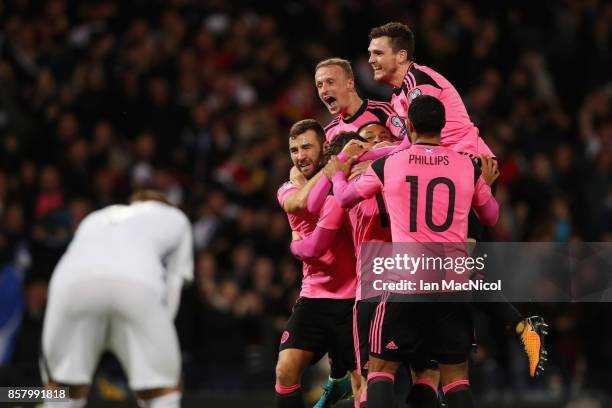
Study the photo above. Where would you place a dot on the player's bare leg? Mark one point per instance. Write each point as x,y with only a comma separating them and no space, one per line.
77,395
159,398
289,368
361,398
357,383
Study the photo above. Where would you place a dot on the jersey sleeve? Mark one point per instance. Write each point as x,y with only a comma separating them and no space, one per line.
371,181
284,191
331,214
316,198
315,245
427,89
397,126
482,193
180,261
179,265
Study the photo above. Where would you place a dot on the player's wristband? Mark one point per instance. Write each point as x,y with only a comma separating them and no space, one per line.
343,157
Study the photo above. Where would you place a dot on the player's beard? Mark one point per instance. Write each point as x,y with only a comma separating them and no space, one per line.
315,166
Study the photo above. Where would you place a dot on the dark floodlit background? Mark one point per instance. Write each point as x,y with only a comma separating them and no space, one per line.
195,98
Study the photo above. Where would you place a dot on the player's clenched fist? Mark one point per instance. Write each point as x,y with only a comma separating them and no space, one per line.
335,165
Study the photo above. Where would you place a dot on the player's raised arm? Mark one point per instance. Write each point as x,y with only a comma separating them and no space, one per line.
350,194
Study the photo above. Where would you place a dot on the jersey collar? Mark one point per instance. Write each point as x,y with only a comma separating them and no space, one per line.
359,112
426,144
403,88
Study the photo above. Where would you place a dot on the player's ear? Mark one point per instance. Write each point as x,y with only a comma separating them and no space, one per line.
325,146
402,56
411,133
350,84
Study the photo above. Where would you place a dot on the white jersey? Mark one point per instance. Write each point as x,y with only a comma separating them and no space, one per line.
148,242
117,288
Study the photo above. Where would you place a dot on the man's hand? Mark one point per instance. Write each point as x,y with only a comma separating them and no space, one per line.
296,177
383,144
335,165
359,168
490,172
354,148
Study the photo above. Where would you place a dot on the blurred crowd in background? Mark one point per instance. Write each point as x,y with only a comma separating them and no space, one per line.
100,97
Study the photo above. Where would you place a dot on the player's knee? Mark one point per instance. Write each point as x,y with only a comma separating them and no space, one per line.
286,374
428,374
377,364
453,372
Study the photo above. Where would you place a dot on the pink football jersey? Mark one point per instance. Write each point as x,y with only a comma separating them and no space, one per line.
370,111
459,133
332,275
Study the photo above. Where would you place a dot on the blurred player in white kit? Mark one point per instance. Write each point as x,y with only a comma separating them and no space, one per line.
117,288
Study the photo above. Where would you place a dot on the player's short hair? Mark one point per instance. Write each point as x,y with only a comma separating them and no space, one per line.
400,37
427,115
305,125
148,195
365,125
340,140
340,62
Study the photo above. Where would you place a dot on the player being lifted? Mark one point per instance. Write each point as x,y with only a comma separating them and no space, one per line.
441,187
321,320
391,51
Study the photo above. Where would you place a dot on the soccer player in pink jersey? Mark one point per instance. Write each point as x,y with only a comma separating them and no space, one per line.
321,320
369,223
336,87
429,190
391,52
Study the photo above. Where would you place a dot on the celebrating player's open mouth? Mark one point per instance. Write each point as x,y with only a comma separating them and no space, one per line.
332,104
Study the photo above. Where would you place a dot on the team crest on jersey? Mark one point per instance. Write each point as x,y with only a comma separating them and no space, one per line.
414,93
397,122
